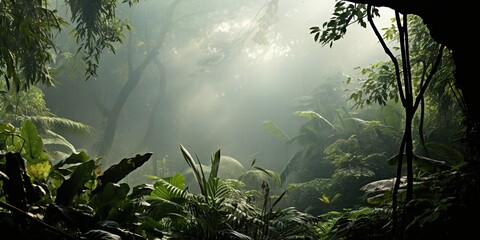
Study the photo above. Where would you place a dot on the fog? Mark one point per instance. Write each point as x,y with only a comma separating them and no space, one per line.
223,67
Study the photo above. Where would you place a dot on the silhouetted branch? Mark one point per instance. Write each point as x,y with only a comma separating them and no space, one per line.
36,220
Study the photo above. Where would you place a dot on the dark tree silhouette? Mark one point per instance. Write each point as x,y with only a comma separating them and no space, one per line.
448,23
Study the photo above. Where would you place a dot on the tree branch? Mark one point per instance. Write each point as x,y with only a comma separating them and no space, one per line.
429,78
388,52
36,220
404,7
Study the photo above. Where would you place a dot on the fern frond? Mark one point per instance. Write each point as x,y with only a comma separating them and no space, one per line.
178,180
223,190
166,190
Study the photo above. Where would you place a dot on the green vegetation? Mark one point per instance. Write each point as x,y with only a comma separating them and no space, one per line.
398,159
74,199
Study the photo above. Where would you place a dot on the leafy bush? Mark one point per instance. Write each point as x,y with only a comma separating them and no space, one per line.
74,199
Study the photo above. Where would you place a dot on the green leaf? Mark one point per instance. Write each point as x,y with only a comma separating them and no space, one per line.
169,188
33,143
111,194
10,140
196,172
336,197
291,166
117,172
324,198
77,158
75,184
178,180
272,128
263,170
278,199
6,129
312,114
215,165
53,138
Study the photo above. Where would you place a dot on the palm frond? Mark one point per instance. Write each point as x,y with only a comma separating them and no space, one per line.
52,138
166,199
166,190
222,190
178,180
289,223
57,123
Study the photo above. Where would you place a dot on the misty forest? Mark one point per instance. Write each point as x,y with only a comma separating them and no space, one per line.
188,119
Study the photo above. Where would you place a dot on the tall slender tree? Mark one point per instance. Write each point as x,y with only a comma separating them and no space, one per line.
356,11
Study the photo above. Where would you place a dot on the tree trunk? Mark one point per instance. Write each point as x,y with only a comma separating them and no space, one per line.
134,77
447,23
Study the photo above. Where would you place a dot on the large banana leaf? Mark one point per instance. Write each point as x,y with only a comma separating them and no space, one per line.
313,115
291,166
272,128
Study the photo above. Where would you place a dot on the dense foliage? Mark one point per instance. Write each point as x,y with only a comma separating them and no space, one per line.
393,162
73,199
